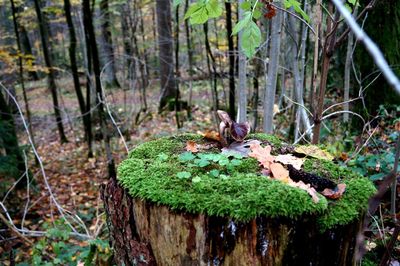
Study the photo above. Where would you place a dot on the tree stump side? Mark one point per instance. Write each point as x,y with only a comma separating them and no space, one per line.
144,233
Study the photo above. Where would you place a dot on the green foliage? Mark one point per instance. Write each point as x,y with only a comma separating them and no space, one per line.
57,248
233,187
202,10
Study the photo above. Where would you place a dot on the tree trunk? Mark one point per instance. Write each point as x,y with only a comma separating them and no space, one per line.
26,45
9,138
109,64
190,61
242,90
231,55
45,37
169,91
99,91
21,69
75,75
270,89
143,233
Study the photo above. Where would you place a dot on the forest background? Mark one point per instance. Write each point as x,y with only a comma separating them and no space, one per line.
84,82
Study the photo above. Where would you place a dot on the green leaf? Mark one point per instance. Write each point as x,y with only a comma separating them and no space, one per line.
214,173
186,156
246,6
257,14
214,9
202,162
196,179
242,23
192,9
251,39
183,175
236,162
162,157
297,7
223,162
376,176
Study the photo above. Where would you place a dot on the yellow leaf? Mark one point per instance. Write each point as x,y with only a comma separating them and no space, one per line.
314,151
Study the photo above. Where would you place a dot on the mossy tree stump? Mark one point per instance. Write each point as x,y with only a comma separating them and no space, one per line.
156,218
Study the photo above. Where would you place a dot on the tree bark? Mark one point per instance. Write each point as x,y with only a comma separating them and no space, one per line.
273,64
99,91
231,56
75,75
21,69
169,91
45,37
143,233
242,90
109,64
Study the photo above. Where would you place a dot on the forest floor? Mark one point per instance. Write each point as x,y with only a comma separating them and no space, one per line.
75,180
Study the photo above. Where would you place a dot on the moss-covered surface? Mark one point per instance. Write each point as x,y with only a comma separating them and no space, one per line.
151,170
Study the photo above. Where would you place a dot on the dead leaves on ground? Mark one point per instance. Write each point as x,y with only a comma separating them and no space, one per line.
273,166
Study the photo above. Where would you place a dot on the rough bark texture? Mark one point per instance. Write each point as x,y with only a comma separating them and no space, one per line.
143,233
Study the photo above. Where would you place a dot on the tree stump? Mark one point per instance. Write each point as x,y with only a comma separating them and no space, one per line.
156,217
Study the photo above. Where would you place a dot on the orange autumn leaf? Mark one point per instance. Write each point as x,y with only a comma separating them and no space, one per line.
334,194
279,172
191,146
211,135
263,155
306,187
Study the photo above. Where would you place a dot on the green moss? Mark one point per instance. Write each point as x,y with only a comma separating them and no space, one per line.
275,141
245,194
328,169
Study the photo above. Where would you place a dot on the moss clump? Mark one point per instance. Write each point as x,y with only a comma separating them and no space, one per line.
242,194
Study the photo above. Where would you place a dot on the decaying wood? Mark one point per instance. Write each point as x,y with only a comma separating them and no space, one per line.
144,233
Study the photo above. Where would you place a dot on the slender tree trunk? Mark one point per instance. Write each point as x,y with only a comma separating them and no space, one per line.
301,114
110,68
190,59
177,70
165,44
45,37
242,92
99,97
326,57
21,69
273,64
347,69
231,55
256,92
75,75
213,65
27,48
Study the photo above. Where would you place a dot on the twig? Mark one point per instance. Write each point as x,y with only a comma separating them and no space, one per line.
371,47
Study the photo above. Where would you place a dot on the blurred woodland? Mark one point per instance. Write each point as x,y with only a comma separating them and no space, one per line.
84,82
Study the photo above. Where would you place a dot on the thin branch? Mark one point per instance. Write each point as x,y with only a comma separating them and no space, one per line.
371,47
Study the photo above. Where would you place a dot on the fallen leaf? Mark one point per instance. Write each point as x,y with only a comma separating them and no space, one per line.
334,193
310,190
242,148
290,159
279,172
211,135
314,151
263,155
191,146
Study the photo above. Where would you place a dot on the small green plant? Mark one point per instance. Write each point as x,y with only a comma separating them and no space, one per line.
58,248
215,165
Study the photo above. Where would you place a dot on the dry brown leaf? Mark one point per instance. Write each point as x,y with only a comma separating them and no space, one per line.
242,148
263,155
314,151
191,146
310,190
290,159
211,135
279,172
334,194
